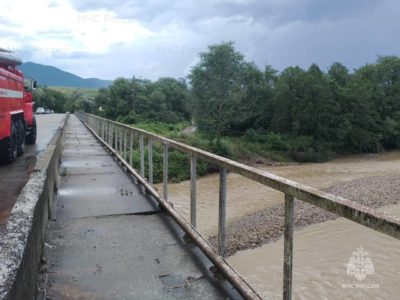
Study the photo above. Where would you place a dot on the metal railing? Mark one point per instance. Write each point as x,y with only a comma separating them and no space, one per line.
120,139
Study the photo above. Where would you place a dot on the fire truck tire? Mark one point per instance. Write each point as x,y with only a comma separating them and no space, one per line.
21,138
31,137
10,146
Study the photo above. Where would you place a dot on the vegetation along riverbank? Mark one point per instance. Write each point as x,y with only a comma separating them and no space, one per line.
240,111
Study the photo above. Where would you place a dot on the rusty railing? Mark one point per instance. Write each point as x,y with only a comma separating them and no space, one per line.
119,138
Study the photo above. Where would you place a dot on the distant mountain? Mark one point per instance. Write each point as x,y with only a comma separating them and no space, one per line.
52,76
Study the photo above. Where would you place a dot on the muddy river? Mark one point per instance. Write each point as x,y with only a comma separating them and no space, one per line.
322,254
321,251
245,196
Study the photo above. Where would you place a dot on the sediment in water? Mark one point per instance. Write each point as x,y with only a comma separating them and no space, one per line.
256,229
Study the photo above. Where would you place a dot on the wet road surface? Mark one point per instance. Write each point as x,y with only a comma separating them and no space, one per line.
14,176
109,240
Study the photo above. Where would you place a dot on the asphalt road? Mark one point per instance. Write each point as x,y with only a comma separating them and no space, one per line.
14,176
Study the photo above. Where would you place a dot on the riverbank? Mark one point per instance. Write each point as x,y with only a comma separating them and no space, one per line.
255,229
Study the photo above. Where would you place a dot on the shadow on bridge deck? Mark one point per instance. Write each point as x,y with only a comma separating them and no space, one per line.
108,240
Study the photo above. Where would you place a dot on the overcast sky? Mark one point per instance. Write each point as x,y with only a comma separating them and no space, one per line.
154,38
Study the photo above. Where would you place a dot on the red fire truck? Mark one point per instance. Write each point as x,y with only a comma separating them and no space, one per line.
17,123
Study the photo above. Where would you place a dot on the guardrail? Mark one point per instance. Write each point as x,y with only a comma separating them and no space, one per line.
22,238
120,139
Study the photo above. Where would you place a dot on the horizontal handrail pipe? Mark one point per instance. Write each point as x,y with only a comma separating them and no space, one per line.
22,236
106,129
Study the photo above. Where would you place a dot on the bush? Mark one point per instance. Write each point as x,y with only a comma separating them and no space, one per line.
306,149
178,165
271,140
164,129
128,119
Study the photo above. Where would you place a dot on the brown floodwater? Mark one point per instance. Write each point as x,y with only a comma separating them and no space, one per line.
321,251
321,255
245,196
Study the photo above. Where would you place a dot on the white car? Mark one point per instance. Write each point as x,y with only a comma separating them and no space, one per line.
40,111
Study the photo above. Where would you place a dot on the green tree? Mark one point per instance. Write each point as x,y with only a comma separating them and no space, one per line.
216,83
80,99
138,100
256,99
50,98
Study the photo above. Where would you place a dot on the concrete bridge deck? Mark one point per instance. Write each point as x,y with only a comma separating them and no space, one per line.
108,240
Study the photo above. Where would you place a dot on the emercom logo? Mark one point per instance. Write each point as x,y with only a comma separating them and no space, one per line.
360,266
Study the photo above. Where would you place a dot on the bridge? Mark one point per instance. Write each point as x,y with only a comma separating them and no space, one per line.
90,224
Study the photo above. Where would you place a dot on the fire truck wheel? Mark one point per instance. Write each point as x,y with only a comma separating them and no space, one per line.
11,145
31,137
21,138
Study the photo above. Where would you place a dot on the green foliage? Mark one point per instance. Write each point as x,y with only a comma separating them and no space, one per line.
62,99
136,100
178,165
216,89
271,140
50,98
242,112
164,129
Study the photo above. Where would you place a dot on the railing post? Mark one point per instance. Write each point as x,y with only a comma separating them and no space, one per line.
222,212
150,158
131,149
165,172
193,177
104,129
120,140
141,144
288,248
125,145
108,133
112,137
116,138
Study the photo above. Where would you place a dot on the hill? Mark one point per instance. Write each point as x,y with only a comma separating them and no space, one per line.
52,76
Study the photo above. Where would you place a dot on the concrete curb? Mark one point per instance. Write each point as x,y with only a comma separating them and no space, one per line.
21,241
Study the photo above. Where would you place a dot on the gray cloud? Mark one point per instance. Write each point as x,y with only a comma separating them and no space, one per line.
160,11
276,32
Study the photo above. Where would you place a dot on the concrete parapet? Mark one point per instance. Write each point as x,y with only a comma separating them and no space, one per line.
21,238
